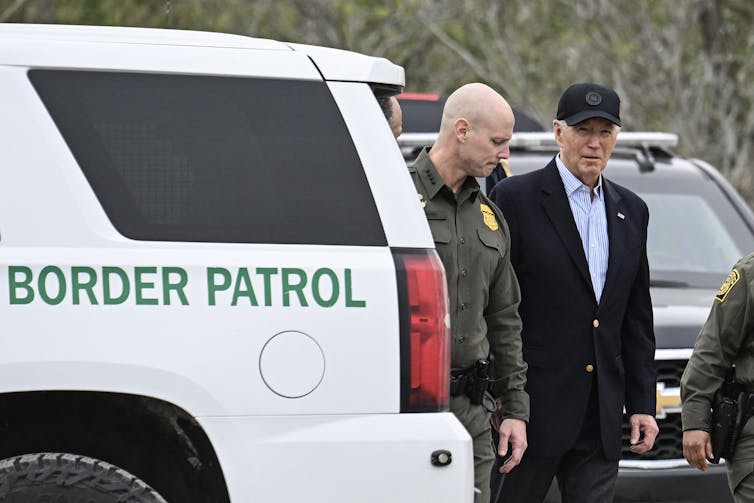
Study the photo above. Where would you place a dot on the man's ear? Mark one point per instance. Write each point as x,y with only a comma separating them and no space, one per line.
557,129
462,129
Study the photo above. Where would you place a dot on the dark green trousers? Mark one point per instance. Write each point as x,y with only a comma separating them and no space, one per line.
476,420
741,468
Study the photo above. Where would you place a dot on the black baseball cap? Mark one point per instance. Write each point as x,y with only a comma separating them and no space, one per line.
583,101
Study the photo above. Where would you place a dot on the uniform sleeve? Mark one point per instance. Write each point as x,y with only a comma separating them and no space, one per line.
504,334
716,348
638,339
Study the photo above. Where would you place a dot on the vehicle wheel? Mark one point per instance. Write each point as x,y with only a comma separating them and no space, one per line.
69,478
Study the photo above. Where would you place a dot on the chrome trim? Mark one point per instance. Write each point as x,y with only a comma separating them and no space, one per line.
660,464
673,354
416,139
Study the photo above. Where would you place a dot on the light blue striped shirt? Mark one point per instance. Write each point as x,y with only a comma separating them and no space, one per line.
589,215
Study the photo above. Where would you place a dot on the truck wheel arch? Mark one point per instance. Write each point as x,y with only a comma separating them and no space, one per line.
154,440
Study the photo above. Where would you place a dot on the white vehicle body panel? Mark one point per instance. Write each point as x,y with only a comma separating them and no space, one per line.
386,172
337,64
228,338
368,456
219,361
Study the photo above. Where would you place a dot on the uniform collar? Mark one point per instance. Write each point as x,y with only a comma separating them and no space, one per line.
433,183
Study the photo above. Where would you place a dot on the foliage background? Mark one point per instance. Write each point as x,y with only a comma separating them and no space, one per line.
682,66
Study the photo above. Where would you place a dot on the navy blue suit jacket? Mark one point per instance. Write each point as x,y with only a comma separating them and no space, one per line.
564,328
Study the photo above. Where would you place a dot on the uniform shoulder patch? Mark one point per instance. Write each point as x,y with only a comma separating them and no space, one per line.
489,217
730,281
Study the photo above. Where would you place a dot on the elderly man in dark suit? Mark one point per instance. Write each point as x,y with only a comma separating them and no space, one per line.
578,247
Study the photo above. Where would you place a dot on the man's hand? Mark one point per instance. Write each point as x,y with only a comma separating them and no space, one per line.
697,448
513,431
646,424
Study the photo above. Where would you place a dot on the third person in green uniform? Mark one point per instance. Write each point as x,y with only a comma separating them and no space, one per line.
726,339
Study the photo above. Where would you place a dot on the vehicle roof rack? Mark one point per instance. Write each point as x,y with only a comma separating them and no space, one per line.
640,145
625,139
547,140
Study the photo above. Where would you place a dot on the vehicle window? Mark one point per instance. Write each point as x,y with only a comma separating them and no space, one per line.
695,233
686,235
216,159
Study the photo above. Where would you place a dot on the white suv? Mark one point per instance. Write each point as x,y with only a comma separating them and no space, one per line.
216,281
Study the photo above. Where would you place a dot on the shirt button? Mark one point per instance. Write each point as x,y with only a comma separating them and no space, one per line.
589,368
462,240
461,338
464,272
596,323
463,307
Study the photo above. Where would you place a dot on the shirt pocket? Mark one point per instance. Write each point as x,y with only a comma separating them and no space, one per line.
492,240
489,255
440,229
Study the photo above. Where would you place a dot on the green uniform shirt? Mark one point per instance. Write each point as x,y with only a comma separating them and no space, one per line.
472,240
723,340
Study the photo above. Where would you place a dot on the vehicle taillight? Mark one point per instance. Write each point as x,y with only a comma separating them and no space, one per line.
425,335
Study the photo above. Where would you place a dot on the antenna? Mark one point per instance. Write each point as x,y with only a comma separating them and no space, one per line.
168,12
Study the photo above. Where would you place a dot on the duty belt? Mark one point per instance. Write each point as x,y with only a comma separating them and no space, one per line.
732,407
473,382
458,383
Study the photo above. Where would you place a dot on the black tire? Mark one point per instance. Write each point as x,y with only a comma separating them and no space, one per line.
69,478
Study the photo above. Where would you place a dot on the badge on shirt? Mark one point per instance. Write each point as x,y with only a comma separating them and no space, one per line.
489,217
731,280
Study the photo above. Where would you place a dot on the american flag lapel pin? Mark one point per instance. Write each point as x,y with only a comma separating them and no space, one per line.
621,216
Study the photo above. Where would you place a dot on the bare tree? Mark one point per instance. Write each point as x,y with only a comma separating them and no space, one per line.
683,66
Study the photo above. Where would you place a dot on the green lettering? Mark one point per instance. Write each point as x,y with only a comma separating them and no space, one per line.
334,287
297,288
14,284
140,285
213,287
87,286
125,285
177,287
267,273
244,288
42,285
349,300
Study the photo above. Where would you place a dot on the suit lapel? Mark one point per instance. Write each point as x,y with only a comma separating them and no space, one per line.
555,202
616,235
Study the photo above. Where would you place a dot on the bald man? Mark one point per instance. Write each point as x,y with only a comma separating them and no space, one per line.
396,117
472,240
393,113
